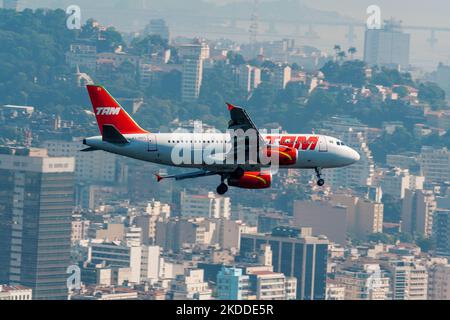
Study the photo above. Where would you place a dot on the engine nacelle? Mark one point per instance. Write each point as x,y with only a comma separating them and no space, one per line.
252,180
287,156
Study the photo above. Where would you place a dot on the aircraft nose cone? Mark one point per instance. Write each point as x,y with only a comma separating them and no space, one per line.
355,156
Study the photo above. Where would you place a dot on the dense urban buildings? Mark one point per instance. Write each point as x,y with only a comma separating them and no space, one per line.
37,198
90,225
296,254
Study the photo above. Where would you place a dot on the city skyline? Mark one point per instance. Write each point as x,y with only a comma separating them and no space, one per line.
78,223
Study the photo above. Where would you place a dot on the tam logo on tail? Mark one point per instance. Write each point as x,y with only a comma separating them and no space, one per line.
109,112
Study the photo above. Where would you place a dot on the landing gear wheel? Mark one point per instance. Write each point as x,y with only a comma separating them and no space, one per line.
222,189
320,181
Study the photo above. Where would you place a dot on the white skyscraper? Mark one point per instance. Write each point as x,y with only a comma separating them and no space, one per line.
434,164
208,206
418,208
388,46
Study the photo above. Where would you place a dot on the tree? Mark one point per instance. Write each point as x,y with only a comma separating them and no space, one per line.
337,48
111,40
352,51
341,55
235,59
430,92
424,243
321,103
353,72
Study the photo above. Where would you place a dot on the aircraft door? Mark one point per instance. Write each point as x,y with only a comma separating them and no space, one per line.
151,145
323,146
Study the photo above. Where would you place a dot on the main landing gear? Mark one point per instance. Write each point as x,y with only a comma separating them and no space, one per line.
223,187
320,180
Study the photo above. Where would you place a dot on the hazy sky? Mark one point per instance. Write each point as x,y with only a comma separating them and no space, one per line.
189,18
417,12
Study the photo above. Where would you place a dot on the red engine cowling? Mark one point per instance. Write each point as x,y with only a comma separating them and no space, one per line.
287,156
252,180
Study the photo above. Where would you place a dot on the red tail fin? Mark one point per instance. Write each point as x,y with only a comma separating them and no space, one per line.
108,111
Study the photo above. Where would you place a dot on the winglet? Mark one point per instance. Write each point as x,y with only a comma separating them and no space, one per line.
158,177
230,106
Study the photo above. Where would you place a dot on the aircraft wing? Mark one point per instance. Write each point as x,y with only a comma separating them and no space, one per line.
189,175
241,120
249,144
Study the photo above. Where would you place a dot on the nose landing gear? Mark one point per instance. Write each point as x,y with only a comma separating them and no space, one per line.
222,188
320,180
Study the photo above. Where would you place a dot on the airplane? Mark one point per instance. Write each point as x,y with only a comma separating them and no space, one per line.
220,153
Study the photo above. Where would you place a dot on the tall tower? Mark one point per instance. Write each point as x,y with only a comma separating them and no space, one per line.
36,203
254,25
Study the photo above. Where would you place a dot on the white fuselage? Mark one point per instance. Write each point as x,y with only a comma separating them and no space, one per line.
206,150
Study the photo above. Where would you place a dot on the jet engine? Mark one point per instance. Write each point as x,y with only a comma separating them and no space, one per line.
252,180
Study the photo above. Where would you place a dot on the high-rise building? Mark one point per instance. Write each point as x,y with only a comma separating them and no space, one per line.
192,79
409,280
36,203
158,27
434,164
442,76
117,254
295,255
364,216
396,181
232,284
193,56
281,77
439,282
364,282
174,233
388,46
96,166
150,263
324,218
441,232
403,161
249,77
208,206
155,211
418,208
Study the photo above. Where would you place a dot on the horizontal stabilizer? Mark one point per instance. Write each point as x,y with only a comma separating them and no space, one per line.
90,149
112,135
